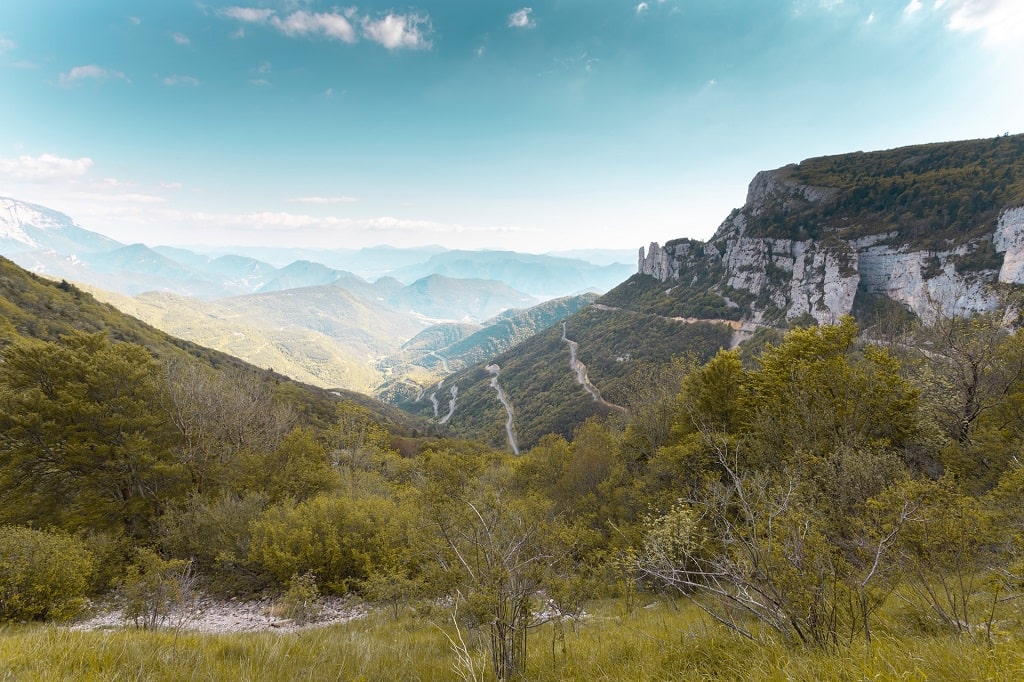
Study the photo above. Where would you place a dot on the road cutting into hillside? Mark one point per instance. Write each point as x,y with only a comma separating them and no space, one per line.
503,398
581,373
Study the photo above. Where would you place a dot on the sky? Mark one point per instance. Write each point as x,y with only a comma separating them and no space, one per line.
534,126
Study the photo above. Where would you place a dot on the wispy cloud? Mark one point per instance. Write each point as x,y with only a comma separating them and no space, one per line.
181,39
43,168
260,82
642,7
395,31
323,201
912,8
1000,21
522,18
6,45
88,72
190,81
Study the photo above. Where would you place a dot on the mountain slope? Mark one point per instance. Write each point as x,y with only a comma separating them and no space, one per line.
322,335
542,386
39,308
444,298
927,226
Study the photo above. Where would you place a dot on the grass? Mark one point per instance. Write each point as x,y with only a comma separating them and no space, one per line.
655,643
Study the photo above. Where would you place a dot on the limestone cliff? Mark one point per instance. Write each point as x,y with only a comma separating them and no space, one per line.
924,226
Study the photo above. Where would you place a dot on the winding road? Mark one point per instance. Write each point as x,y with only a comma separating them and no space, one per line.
581,374
494,369
451,405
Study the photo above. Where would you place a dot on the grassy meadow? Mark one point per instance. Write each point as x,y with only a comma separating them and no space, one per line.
655,642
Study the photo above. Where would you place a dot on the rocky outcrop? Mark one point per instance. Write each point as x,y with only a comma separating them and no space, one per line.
1009,240
785,279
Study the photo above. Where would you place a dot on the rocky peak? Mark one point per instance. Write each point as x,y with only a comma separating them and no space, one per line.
941,236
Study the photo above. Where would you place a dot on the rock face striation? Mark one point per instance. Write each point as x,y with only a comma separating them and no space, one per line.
795,250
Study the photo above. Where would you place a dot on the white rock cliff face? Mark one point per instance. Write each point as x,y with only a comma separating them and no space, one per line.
1009,239
821,277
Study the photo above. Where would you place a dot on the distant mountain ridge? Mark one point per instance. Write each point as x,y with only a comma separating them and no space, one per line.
303,311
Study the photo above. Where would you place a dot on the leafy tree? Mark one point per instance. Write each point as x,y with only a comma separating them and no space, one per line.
815,393
83,441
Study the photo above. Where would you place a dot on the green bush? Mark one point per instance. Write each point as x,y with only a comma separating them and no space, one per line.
155,590
43,575
301,601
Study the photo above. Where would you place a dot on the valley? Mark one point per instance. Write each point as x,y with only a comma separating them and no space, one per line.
810,391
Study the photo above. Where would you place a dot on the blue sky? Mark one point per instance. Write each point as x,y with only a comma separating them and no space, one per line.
532,126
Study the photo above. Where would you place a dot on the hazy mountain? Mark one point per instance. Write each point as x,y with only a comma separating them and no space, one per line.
27,227
598,256
444,298
301,273
369,263
322,335
541,276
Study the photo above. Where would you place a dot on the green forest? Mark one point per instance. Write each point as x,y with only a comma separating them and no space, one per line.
928,196
823,507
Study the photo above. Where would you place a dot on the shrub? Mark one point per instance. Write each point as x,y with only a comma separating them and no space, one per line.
301,601
43,575
154,590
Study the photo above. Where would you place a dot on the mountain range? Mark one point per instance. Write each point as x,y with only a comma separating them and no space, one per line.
906,234
306,318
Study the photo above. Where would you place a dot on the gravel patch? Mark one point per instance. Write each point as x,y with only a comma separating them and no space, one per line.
228,616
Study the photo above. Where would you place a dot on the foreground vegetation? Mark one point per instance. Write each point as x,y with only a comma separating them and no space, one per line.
827,507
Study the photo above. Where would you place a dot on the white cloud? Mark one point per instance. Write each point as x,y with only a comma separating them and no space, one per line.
913,7
323,201
398,30
171,185
393,31
45,167
181,80
642,7
1001,22
248,14
181,39
329,24
522,18
871,19
135,21
260,82
80,73
6,45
